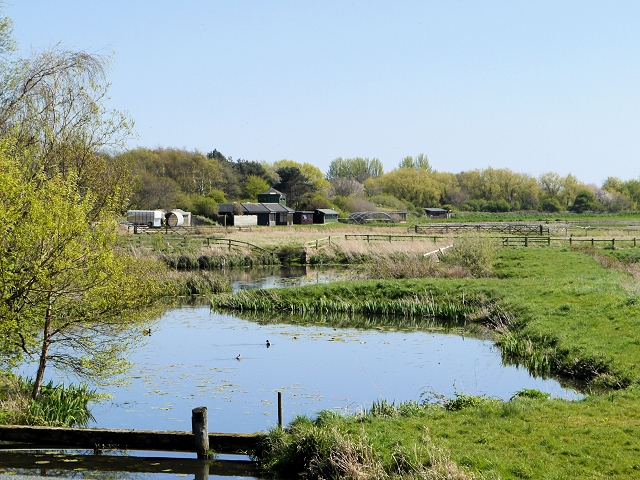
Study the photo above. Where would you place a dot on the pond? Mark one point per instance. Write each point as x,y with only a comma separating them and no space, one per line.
191,359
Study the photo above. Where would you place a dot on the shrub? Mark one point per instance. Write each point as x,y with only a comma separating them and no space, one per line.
475,253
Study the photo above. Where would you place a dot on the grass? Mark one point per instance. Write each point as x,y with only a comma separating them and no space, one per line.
58,406
557,311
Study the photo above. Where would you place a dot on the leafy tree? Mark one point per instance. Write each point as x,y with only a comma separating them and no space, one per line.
66,297
414,186
254,186
53,103
343,187
418,162
205,206
354,168
585,201
217,195
551,205
295,185
312,173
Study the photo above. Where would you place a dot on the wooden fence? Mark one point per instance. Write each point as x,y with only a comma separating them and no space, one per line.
499,227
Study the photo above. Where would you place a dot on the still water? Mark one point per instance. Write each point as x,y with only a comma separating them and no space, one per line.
191,360
195,357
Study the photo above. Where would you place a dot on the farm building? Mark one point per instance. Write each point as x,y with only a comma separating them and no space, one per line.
303,218
265,214
272,196
325,215
159,218
437,212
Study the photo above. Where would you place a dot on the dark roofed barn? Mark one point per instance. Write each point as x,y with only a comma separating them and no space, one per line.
436,212
272,196
325,215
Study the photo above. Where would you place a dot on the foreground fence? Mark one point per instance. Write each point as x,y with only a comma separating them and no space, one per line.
198,440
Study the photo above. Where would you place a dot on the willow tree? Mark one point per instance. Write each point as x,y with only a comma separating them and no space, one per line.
67,297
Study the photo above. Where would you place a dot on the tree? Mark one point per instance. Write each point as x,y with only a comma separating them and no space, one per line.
295,185
254,186
354,168
415,186
312,173
343,187
66,297
585,201
53,103
419,162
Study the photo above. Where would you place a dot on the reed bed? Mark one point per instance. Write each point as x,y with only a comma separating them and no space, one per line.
58,405
423,305
195,283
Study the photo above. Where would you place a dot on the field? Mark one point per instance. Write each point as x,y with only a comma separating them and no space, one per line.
561,311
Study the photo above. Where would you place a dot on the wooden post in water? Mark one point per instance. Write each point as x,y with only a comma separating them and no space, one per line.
280,409
200,427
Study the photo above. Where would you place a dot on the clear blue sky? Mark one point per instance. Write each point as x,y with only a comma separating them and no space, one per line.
534,86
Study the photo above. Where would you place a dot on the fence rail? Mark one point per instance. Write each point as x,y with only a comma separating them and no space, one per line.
512,228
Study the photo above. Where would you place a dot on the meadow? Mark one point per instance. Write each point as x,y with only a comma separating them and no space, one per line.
557,311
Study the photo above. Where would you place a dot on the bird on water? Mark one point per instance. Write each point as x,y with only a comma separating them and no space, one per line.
268,343
239,357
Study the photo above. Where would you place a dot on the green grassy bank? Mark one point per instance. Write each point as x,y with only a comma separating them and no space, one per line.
557,311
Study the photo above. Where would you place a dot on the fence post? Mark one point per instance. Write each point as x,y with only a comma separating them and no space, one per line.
200,428
526,241
571,240
592,241
613,243
280,409
634,241
229,244
549,240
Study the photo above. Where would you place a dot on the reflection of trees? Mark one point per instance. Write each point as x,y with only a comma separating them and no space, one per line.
346,320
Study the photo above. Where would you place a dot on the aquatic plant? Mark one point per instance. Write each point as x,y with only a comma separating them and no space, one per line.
58,405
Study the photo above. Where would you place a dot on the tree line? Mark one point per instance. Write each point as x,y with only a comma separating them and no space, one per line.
170,178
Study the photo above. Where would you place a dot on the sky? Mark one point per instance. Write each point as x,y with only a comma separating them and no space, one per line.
534,86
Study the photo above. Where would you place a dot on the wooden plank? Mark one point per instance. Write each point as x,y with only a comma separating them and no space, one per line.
113,463
98,438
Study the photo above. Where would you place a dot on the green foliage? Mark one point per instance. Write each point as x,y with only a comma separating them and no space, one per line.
417,163
475,253
58,405
62,283
196,283
254,186
62,406
217,195
531,393
584,201
358,168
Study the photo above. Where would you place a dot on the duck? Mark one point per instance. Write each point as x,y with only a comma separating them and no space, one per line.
268,343
239,357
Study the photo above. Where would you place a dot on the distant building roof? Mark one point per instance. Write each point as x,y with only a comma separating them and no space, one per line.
435,210
327,211
254,208
276,207
271,191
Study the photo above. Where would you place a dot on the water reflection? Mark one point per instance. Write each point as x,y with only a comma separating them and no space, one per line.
191,361
282,276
